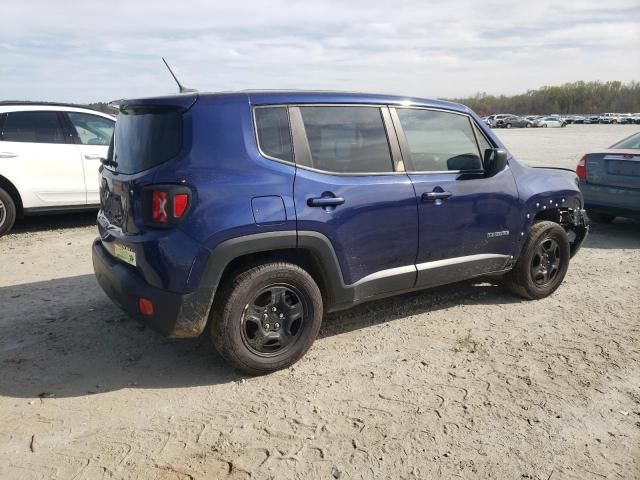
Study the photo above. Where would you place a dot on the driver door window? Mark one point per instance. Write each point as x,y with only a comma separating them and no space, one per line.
439,141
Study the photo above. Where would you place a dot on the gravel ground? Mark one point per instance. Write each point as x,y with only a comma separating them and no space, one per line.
465,381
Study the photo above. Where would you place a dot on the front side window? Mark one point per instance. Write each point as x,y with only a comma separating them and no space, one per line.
347,139
482,141
274,136
92,129
33,127
439,141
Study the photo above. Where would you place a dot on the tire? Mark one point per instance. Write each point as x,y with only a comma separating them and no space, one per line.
7,212
529,125
250,329
544,125
508,125
599,217
527,279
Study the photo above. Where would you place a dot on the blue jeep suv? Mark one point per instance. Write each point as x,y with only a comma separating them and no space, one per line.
250,214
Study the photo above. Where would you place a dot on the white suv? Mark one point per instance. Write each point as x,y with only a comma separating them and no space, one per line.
49,158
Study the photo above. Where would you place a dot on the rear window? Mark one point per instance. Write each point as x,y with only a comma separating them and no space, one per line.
632,142
32,127
144,140
347,139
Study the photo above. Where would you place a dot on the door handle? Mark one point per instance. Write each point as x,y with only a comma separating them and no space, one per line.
325,201
8,155
434,196
92,156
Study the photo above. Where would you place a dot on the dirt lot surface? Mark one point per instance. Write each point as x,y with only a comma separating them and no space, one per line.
465,381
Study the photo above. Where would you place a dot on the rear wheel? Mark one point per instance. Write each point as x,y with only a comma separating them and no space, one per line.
267,317
599,217
544,125
508,125
7,212
543,262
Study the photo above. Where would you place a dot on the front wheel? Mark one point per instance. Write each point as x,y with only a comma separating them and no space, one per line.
508,125
544,125
543,262
7,212
267,317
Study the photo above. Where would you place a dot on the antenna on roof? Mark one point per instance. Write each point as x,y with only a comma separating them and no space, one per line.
180,86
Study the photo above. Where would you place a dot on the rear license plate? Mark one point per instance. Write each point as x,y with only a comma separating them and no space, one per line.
125,254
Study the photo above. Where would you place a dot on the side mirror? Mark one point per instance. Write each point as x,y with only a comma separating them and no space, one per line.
495,160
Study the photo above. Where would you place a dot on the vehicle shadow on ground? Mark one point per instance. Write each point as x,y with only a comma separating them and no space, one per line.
622,233
65,338
41,223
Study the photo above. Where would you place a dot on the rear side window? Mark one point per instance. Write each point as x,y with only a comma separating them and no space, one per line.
91,129
347,139
144,140
33,127
274,135
439,141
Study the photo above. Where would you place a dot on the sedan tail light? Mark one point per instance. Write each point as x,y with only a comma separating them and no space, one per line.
581,169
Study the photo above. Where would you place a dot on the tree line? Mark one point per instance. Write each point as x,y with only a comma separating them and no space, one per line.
576,97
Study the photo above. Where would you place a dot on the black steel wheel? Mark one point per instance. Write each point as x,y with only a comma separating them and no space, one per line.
543,262
266,317
274,320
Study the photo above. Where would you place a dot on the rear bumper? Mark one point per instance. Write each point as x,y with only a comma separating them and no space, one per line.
174,315
624,202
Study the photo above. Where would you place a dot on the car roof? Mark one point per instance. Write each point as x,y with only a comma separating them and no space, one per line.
56,107
272,97
281,97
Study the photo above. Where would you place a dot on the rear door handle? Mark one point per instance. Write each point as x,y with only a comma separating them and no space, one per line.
433,196
325,201
8,155
92,156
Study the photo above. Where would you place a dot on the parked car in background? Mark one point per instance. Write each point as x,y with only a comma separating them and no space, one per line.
513,121
610,181
591,119
553,122
493,120
253,233
608,118
625,119
49,159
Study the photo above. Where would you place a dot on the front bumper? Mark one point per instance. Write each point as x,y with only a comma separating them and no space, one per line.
174,315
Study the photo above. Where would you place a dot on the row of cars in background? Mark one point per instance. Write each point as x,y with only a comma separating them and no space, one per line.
508,120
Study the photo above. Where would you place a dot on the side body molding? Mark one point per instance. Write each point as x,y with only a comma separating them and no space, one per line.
197,305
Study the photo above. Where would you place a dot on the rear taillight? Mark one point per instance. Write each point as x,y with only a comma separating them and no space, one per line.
165,205
581,169
159,207
180,204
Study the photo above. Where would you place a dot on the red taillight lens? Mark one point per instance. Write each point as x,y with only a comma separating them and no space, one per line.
180,204
145,306
159,207
581,169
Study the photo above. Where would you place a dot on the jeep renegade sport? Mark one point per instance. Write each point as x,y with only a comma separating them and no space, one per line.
253,213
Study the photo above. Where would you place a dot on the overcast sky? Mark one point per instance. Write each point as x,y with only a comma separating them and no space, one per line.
99,51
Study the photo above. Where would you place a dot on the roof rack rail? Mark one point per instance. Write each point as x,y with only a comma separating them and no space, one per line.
48,104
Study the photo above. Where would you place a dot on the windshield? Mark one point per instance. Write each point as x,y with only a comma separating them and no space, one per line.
144,140
632,142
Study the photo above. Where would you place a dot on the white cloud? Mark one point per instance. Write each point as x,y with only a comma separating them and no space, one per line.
100,51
